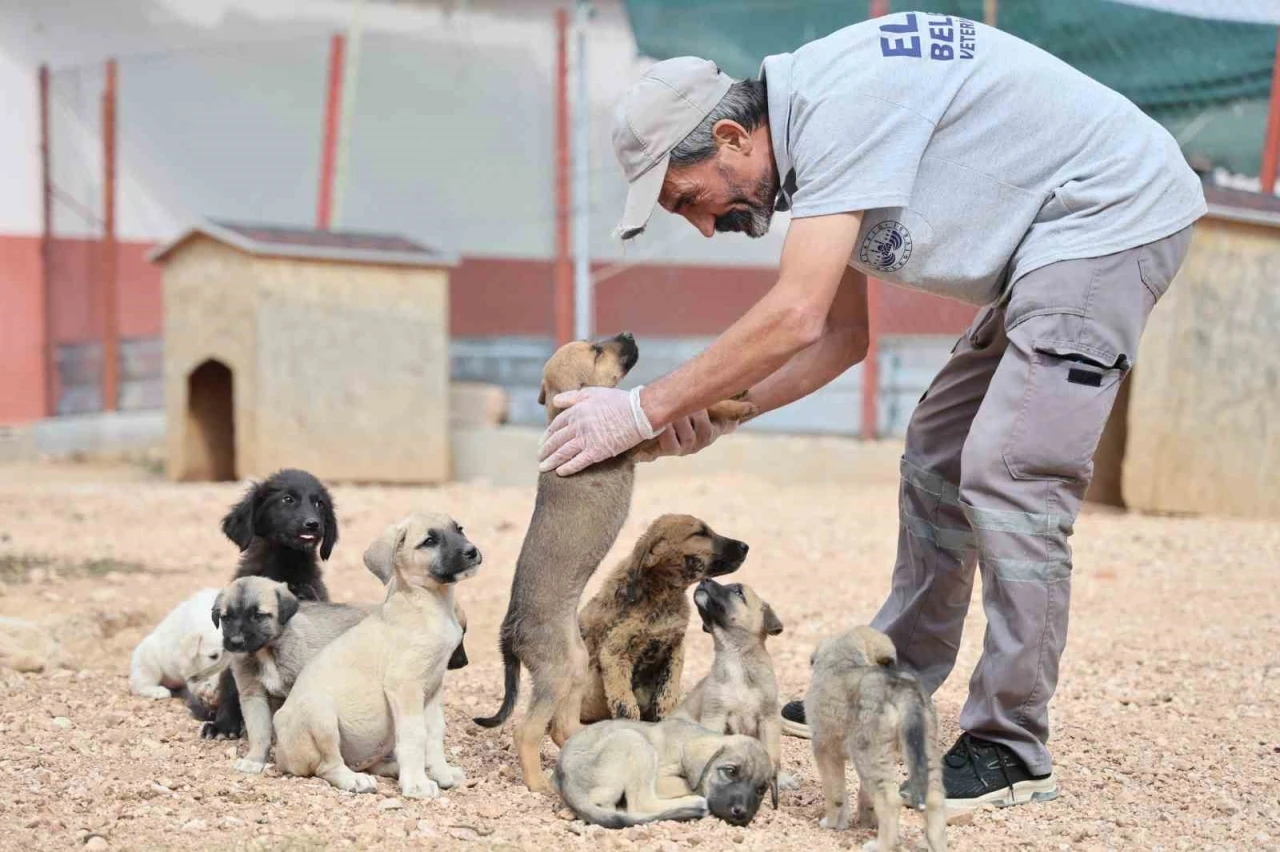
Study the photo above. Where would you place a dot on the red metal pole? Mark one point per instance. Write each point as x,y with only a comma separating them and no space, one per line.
332,109
564,269
110,320
871,365
49,405
1271,147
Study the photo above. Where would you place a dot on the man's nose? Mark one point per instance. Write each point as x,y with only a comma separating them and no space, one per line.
706,224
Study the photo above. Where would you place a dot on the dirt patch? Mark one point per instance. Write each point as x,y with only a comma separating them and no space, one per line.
1165,727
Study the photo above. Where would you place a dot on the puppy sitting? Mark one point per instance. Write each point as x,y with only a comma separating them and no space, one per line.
359,706
279,525
861,704
271,636
184,646
673,769
634,626
740,695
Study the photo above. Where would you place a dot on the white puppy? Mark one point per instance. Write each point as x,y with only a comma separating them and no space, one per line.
185,646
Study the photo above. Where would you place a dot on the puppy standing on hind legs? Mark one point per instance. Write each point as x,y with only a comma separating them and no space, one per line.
575,521
863,706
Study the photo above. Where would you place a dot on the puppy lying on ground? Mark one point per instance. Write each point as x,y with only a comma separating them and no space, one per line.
634,626
740,694
270,636
575,521
279,525
359,706
860,704
668,770
184,646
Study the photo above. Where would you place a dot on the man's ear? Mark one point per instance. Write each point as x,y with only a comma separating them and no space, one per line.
732,135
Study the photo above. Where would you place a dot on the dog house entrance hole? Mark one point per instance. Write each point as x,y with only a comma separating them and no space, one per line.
211,442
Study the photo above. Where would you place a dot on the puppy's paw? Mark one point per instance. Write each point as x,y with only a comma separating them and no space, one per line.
362,783
736,410
447,776
787,781
420,787
156,692
871,846
211,731
840,823
253,767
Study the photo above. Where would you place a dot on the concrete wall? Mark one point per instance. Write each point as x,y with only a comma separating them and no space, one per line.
1204,415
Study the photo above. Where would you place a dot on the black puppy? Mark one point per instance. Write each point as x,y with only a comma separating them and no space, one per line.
279,526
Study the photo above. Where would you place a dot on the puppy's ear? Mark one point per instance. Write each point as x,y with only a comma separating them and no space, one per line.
542,394
773,787
330,537
706,770
772,624
881,649
642,558
286,605
238,525
189,645
380,556
217,610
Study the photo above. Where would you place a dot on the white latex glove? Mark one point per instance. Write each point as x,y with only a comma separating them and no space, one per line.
596,424
692,434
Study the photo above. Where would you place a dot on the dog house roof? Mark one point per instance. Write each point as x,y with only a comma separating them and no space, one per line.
311,244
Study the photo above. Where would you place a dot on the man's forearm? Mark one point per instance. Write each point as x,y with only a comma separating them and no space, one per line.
811,369
754,347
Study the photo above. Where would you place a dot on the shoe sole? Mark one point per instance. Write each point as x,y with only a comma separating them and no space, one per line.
795,729
1022,793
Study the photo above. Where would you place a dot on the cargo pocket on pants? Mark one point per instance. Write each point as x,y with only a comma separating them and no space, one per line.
1070,390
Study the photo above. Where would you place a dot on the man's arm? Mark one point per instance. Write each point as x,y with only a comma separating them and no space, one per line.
789,318
843,344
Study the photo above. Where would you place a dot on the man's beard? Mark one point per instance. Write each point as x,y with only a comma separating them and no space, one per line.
759,201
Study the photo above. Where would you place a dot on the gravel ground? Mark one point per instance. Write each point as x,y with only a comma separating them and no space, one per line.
1165,728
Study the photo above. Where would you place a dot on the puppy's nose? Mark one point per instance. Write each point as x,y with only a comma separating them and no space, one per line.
311,525
740,548
737,811
235,641
472,553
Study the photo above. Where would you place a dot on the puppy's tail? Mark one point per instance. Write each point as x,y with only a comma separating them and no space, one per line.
511,685
924,771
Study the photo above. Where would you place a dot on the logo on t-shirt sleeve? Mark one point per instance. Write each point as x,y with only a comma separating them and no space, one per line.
887,247
946,37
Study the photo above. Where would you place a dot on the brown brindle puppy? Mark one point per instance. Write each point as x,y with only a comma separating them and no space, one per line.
575,521
634,626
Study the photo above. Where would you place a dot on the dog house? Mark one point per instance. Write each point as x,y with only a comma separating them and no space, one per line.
298,348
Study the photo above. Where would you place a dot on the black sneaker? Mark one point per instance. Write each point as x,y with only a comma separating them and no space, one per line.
978,772
793,724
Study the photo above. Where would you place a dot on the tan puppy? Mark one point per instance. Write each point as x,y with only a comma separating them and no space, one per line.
673,769
861,704
575,521
740,695
270,636
372,701
634,626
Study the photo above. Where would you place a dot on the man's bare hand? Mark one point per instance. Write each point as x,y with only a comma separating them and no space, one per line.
692,434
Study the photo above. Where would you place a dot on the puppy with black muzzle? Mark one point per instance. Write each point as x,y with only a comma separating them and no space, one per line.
619,773
862,705
634,626
270,636
372,701
740,694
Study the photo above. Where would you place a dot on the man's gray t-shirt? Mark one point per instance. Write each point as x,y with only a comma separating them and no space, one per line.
977,156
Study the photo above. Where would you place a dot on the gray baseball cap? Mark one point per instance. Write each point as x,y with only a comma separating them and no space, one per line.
654,116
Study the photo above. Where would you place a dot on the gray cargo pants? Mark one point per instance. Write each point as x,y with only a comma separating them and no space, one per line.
999,454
